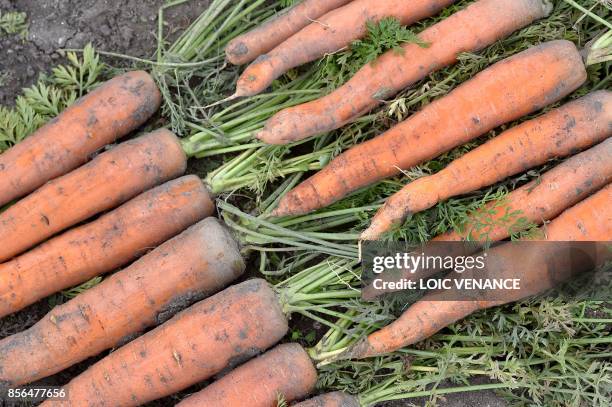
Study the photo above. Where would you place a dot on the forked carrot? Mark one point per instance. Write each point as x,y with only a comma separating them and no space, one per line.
105,244
105,182
196,344
540,200
508,90
540,269
97,119
247,47
330,33
563,131
473,28
196,263
284,372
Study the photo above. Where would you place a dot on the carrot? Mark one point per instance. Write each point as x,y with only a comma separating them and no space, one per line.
534,203
541,268
110,179
330,33
589,220
540,200
104,244
196,344
247,47
333,399
285,371
480,24
97,119
570,128
196,263
508,90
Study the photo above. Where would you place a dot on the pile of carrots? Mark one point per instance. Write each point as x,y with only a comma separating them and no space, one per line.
79,206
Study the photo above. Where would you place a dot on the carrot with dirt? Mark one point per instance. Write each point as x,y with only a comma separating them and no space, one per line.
532,204
330,33
213,335
196,263
105,182
109,112
563,131
471,29
196,344
246,47
287,372
589,220
105,244
509,90
541,199
541,268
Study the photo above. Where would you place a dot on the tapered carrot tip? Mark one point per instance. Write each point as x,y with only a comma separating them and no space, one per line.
236,51
359,350
334,399
280,128
256,77
390,215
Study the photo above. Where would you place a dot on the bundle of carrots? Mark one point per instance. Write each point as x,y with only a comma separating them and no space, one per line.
514,87
589,220
74,213
193,255
573,127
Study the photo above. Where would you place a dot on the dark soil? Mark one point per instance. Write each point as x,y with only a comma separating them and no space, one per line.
126,27
122,26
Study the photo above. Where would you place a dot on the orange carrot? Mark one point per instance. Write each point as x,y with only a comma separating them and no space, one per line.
196,263
477,26
589,220
573,127
508,90
333,399
247,47
540,200
97,119
105,182
105,244
196,344
534,203
541,268
285,371
330,33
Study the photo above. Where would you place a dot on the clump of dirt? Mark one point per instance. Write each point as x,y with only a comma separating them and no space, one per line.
121,26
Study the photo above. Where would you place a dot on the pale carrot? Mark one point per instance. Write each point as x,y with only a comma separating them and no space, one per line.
330,33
